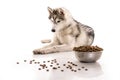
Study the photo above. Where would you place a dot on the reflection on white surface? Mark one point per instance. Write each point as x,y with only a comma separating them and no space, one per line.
94,72
94,69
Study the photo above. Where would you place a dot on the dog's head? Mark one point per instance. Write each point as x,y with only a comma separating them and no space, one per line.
58,17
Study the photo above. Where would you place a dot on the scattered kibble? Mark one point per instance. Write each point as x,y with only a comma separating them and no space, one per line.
25,60
58,66
43,61
51,65
55,65
47,70
72,70
75,70
86,69
68,61
54,68
79,69
30,62
83,67
17,62
33,60
64,64
39,68
62,70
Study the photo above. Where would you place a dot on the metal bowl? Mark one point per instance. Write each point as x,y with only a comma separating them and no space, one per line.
88,57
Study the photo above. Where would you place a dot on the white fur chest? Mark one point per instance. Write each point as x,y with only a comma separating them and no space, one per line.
64,38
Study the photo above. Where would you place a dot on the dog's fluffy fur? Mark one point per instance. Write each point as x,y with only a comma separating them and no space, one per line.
68,32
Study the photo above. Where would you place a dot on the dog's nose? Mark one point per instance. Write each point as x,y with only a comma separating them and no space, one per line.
53,30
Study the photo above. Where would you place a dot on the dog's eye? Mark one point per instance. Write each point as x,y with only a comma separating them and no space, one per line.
58,21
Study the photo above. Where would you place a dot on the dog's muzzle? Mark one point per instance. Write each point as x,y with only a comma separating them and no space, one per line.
53,30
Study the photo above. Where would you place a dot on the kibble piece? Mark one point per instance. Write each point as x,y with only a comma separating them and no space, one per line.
72,69
25,60
71,63
39,68
58,66
17,62
44,65
68,62
30,62
47,70
54,68
83,67
33,60
62,70
75,70
48,61
43,61
51,65
70,66
86,69
38,62
54,59
67,67
64,64
57,63
79,69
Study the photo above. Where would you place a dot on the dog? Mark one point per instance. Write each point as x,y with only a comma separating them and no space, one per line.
68,33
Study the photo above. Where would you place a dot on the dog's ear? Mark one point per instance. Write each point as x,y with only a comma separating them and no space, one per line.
50,10
61,11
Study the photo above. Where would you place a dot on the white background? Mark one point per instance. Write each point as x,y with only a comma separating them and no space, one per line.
23,23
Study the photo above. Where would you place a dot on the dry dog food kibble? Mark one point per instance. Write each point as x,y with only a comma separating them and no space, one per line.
83,67
54,68
63,64
55,65
17,62
62,70
87,49
39,68
47,70
86,69
79,69
25,60
58,66
43,61
48,61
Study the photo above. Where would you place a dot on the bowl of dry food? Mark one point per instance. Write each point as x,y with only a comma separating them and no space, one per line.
88,54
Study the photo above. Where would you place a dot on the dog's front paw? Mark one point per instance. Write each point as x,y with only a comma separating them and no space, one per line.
39,51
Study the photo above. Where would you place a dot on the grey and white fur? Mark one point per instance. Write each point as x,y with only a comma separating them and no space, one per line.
68,33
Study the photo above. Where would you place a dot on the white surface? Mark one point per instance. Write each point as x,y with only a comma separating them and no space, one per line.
23,23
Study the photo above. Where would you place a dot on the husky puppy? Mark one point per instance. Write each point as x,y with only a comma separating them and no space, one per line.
68,33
